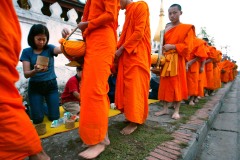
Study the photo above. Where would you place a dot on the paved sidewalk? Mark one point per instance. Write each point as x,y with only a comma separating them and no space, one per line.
224,134
192,133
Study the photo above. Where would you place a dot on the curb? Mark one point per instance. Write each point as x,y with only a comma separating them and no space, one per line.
193,133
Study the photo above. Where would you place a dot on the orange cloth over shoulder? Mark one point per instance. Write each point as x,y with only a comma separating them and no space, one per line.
101,40
132,86
193,71
18,137
174,88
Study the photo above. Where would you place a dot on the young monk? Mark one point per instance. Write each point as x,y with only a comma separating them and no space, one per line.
178,45
99,20
224,66
193,66
216,70
18,137
134,60
209,70
202,74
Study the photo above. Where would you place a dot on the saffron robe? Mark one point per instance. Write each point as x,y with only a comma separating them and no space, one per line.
193,71
209,68
216,70
133,77
231,68
202,83
18,137
102,17
174,88
225,65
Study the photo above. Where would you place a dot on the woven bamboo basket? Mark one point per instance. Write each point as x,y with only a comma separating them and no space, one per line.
41,128
69,124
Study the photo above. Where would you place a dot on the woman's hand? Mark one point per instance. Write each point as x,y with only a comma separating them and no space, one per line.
38,68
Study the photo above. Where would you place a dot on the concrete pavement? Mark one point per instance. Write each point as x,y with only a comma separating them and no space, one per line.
222,141
195,131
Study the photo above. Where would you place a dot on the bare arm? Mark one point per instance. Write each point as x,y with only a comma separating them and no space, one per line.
202,66
76,94
209,60
189,63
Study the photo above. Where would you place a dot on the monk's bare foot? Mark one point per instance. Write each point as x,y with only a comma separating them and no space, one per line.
93,151
176,116
191,103
40,156
206,95
160,113
129,129
199,97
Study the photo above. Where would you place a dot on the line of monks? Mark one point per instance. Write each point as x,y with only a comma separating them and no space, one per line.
206,69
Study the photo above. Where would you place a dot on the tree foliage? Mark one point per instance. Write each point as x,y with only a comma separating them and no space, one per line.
203,34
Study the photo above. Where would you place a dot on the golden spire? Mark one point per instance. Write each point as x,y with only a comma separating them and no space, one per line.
161,24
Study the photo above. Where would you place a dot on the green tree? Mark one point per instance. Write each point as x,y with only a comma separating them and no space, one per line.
203,34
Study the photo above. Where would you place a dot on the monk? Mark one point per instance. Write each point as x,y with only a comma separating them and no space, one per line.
202,79
231,68
225,65
193,66
202,74
99,20
18,137
216,70
178,46
134,62
209,68
235,72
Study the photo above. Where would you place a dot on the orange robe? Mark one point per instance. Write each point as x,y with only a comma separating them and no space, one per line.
18,137
102,17
231,70
225,64
235,72
209,68
174,88
216,70
202,83
133,77
193,71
